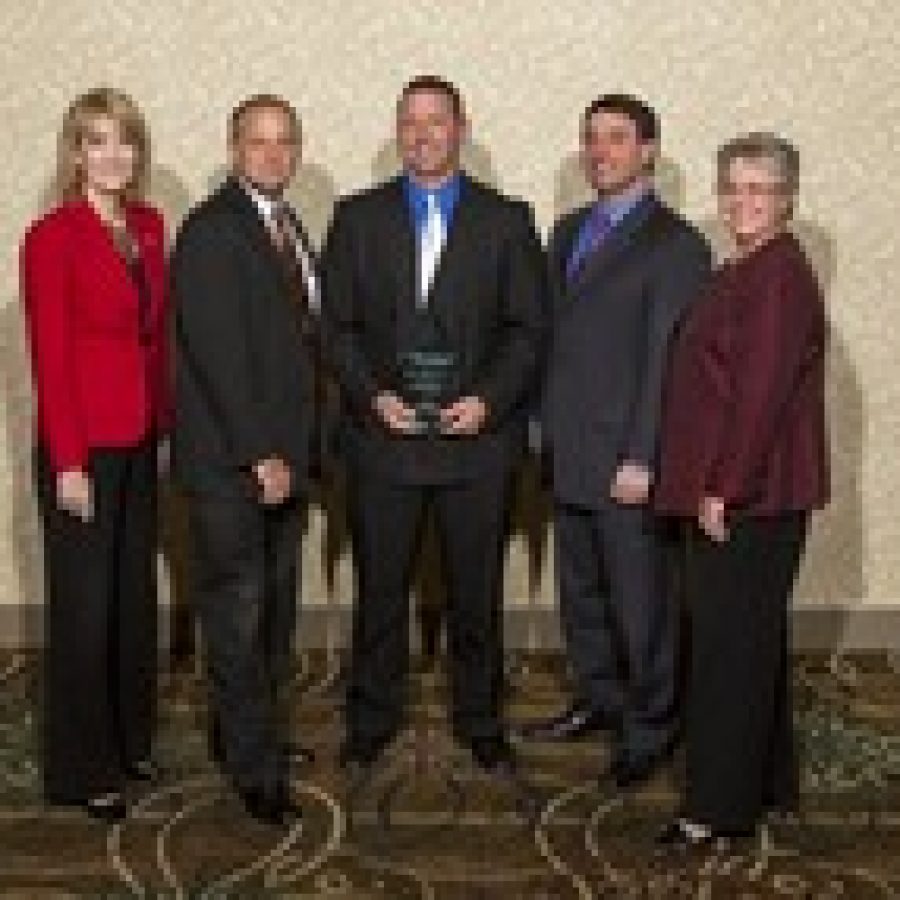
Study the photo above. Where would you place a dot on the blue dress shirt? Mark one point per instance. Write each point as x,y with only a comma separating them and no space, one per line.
447,196
613,210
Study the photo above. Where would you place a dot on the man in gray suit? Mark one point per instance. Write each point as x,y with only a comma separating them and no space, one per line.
623,270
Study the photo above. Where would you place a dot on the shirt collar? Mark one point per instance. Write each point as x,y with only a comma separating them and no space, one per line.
616,208
446,195
265,205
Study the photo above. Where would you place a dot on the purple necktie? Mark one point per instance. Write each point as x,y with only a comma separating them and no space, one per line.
590,237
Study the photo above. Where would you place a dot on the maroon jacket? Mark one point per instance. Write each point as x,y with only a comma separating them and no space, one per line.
744,409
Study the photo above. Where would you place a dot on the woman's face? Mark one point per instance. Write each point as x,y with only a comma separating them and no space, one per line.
107,160
753,204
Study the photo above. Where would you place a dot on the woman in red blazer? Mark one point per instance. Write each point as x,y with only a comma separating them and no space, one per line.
93,281
743,458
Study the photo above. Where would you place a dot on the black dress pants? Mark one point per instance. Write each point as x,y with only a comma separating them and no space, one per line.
246,565
100,626
387,519
739,729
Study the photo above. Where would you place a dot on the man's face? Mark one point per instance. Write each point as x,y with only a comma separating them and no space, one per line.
429,134
612,153
266,150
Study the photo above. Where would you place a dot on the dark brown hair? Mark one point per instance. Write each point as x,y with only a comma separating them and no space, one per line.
642,114
434,84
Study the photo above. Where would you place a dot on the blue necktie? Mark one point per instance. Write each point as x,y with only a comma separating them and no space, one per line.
591,236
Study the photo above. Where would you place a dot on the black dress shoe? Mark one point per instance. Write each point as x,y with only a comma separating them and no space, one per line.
109,807
145,770
298,753
576,722
494,755
215,743
630,771
276,809
365,754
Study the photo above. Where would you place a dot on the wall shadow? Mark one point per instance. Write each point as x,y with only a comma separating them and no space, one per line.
169,194
17,421
313,192
834,569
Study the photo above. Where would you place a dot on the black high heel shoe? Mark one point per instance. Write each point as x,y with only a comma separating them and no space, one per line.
677,839
143,770
109,807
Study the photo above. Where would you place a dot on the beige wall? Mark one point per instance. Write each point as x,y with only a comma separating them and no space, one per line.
824,73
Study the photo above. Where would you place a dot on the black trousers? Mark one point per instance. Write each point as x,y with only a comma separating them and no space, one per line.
387,521
738,728
245,573
619,619
100,626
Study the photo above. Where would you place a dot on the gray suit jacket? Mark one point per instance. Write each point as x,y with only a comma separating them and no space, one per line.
612,326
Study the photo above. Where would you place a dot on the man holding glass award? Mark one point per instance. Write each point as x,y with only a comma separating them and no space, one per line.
434,316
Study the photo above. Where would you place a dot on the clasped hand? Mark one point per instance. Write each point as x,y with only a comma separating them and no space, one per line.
465,416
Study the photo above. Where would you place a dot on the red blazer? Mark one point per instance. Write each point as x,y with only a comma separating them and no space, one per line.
97,385
744,409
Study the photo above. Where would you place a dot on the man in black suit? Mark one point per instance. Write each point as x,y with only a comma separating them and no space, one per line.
244,287
622,270
434,312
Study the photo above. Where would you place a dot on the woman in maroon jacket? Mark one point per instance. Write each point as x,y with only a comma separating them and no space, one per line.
743,460
93,281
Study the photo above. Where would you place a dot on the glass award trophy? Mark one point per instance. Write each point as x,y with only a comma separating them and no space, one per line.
428,381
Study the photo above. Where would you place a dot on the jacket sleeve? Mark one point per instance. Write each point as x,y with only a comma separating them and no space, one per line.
673,287
212,331
524,320
47,291
341,317
775,333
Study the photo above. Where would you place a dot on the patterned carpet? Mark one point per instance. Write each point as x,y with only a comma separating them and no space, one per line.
434,827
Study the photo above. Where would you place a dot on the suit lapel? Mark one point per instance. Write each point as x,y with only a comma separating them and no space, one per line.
614,245
562,249
252,223
459,248
400,245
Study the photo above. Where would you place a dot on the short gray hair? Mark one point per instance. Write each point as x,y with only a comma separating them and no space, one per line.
766,146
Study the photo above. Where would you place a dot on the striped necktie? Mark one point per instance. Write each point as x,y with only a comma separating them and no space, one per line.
293,251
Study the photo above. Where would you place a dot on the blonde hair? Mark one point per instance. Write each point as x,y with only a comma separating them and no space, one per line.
93,104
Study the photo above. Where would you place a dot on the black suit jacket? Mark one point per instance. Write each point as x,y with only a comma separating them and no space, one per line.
612,327
243,379
489,299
